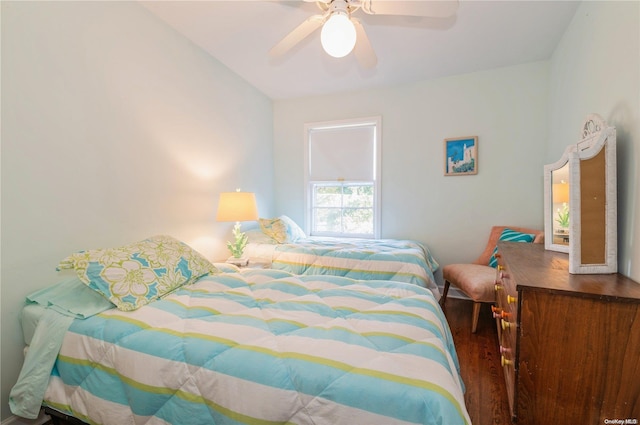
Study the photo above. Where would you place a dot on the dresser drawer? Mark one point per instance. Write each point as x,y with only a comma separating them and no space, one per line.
506,296
505,314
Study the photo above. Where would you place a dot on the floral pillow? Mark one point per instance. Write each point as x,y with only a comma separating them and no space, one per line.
282,229
133,275
259,237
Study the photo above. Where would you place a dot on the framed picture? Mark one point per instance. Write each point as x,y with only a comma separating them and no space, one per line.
461,156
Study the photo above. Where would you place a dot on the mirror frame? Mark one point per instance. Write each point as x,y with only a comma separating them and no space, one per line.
596,136
597,139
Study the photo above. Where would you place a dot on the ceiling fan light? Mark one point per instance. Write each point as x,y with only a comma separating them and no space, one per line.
338,36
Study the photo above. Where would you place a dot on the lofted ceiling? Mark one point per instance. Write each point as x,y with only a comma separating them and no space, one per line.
482,35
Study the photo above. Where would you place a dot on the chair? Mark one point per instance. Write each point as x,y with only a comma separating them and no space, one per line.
477,280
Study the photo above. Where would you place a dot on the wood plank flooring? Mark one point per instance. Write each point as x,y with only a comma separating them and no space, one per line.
479,356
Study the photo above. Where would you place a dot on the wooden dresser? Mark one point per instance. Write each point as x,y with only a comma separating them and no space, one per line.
570,344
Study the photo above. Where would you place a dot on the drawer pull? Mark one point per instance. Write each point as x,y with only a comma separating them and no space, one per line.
505,325
504,361
501,315
498,287
500,267
511,300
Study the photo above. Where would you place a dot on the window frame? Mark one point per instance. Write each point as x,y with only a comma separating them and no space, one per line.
376,123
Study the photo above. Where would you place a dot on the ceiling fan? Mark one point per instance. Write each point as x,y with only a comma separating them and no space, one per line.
340,30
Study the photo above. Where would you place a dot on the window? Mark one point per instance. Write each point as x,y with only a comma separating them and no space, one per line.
342,178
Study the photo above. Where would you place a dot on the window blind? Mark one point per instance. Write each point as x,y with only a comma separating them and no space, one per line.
345,153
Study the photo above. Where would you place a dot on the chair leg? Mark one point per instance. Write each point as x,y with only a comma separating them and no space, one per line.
476,314
443,298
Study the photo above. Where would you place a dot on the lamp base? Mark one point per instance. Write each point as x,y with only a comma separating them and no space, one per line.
240,262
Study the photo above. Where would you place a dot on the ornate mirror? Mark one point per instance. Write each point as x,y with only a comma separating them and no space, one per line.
580,201
556,198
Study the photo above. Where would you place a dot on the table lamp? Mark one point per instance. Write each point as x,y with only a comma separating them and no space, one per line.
237,206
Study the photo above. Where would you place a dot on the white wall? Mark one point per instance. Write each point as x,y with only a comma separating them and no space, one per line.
596,69
506,108
114,128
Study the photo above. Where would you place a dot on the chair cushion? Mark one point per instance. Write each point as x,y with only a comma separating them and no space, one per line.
510,236
496,232
475,280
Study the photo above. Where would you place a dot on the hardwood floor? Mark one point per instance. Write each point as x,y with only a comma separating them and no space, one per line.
486,394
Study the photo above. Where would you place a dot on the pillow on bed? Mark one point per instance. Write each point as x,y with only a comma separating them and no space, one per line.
282,229
510,236
133,275
258,236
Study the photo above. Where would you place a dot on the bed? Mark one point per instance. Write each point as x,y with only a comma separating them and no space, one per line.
254,346
282,244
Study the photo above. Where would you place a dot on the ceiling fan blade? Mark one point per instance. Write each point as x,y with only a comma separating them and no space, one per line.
363,50
299,33
427,8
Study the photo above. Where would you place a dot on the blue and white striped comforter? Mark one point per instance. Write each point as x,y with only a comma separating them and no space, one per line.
265,347
386,259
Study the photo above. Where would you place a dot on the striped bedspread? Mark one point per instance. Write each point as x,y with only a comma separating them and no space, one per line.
388,259
265,347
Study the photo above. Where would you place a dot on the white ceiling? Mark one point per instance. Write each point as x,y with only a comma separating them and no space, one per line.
482,35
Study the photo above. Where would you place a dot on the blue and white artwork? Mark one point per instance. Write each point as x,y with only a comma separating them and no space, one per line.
461,156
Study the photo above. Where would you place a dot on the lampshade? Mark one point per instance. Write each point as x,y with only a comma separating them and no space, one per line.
237,206
338,36
560,193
